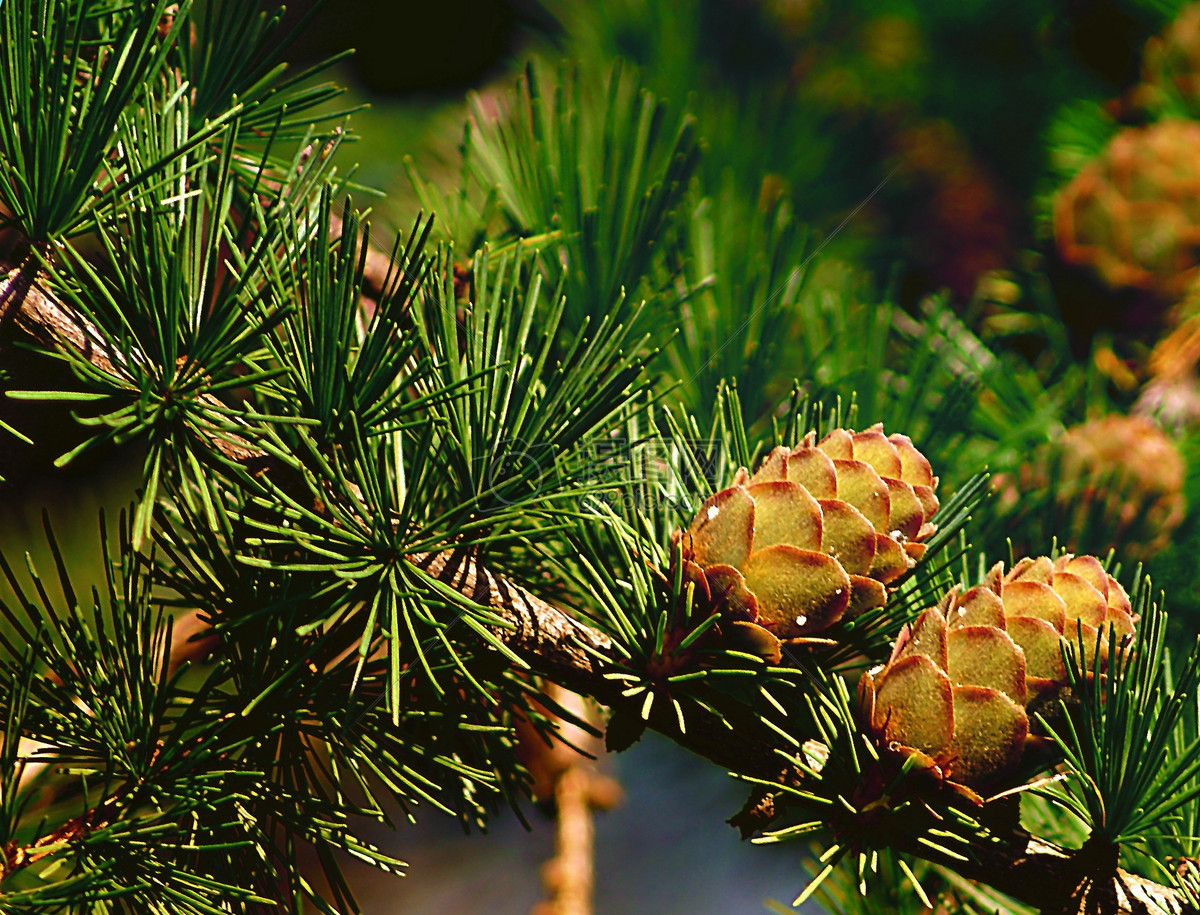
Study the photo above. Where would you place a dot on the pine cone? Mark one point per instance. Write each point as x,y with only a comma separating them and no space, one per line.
953,696
1171,61
1133,213
816,533
1144,473
1117,475
955,690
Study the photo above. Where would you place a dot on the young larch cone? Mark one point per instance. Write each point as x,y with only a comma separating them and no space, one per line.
1130,465
953,696
1171,60
956,689
1045,602
1118,481
1133,213
818,532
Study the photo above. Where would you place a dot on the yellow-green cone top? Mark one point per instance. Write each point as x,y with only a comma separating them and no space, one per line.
1045,601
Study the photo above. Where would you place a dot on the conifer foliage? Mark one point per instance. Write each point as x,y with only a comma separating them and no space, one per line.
389,496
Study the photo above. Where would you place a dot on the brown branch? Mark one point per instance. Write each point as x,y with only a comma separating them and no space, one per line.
1059,881
578,790
54,325
569,875
14,857
561,649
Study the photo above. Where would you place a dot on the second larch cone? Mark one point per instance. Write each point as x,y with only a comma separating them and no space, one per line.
1045,602
953,696
956,691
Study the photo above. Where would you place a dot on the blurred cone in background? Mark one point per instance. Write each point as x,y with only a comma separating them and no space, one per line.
1171,63
1172,394
1132,215
1115,481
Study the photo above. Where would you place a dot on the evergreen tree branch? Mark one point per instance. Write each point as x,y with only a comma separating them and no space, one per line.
1059,881
54,325
13,858
567,773
569,875
555,644
568,652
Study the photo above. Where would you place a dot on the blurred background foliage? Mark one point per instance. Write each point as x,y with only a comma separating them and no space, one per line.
872,211
974,221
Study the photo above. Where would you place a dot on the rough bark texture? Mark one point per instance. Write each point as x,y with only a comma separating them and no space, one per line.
1061,882
565,651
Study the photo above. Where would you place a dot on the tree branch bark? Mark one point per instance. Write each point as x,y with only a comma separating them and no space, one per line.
1060,881
561,649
